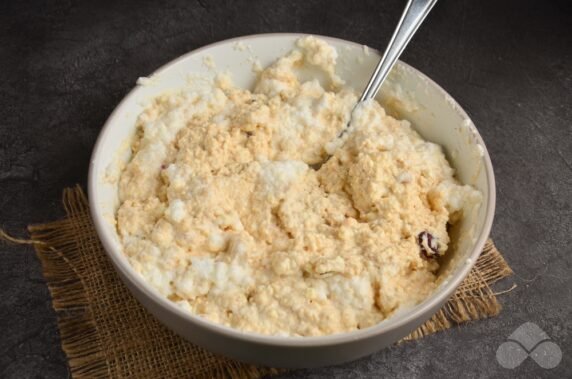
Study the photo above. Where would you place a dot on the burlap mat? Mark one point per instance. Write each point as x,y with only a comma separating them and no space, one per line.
106,333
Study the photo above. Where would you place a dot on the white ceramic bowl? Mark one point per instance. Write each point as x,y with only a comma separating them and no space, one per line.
409,93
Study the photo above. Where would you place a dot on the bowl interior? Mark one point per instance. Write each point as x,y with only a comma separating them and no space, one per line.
407,94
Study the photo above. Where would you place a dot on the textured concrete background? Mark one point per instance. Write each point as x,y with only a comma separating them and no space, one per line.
64,65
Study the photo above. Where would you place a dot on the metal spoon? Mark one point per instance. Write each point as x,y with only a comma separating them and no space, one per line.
412,17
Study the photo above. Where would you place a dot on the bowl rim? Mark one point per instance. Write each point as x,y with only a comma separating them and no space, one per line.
404,318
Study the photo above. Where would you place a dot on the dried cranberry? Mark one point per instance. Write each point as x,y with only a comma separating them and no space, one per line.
428,244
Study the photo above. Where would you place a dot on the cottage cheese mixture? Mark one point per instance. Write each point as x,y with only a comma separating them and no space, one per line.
221,213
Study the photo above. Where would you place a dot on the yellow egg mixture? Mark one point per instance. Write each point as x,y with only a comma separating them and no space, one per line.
221,213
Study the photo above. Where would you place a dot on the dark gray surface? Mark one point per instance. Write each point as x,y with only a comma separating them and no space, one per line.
65,65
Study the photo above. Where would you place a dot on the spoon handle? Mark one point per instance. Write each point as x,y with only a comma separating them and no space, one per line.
412,17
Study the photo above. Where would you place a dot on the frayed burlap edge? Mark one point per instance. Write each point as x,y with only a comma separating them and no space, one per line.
59,246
